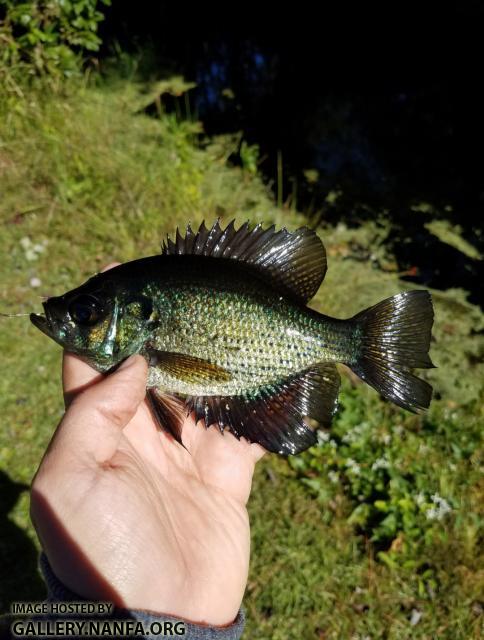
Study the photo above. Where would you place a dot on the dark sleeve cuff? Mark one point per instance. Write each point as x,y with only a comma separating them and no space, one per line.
58,592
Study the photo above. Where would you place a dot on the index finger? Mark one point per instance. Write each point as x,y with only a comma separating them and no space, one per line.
76,376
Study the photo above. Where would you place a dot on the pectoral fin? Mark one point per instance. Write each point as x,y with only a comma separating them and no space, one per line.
188,368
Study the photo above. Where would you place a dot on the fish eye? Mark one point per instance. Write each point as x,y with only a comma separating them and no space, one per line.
85,310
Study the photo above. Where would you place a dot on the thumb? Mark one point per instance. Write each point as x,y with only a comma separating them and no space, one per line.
94,422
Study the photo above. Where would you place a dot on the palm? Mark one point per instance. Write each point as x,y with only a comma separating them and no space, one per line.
217,463
194,502
150,525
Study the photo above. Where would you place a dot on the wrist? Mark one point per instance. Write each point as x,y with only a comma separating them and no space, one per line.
58,592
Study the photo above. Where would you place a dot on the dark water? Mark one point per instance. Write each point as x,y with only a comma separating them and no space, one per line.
383,105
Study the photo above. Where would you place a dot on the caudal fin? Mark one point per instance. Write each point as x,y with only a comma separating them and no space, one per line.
395,337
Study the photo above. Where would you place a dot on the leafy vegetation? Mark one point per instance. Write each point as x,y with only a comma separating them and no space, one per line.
38,37
373,533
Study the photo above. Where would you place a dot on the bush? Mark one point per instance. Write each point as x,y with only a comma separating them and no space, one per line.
48,37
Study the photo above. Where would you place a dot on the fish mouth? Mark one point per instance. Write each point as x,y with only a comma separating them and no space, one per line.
42,323
51,322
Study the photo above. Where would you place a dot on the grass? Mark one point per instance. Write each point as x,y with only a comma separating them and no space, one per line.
87,180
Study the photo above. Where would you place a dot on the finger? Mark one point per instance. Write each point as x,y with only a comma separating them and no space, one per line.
76,376
111,265
94,422
257,452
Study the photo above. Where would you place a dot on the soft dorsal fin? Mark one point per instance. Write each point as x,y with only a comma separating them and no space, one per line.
294,261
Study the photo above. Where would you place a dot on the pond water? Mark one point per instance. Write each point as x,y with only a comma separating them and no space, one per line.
356,114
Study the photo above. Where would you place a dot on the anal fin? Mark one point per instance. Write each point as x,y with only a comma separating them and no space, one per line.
273,416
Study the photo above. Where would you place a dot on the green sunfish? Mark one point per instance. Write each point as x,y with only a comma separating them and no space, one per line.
221,317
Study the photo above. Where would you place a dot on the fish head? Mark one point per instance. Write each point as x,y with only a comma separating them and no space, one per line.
102,321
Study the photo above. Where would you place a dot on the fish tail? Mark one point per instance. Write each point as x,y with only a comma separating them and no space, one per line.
394,337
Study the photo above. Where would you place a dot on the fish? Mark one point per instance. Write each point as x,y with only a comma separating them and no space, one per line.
221,316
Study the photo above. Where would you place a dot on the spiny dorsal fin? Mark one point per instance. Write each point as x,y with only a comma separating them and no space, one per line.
274,416
293,261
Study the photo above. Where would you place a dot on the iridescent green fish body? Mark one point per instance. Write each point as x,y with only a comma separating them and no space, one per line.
221,317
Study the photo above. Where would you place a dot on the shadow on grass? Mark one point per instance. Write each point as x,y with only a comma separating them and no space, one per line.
19,560
18,555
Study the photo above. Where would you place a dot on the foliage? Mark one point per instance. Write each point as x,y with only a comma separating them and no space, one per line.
47,36
453,235
351,540
389,464
249,156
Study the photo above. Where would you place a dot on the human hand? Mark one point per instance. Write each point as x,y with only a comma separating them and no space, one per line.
125,514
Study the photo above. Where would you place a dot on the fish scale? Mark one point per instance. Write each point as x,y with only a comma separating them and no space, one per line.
251,336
